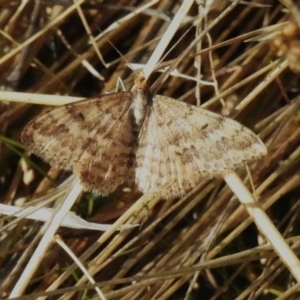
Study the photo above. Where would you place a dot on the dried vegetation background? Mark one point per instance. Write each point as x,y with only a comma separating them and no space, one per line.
203,246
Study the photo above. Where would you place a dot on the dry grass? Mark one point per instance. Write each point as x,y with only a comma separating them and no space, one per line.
203,246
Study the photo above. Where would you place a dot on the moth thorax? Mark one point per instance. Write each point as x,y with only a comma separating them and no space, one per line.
139,107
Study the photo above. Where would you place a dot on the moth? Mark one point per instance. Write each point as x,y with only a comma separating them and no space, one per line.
135,137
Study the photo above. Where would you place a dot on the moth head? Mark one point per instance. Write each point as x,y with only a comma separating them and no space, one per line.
140,83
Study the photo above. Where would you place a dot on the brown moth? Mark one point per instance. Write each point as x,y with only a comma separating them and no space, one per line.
134,137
